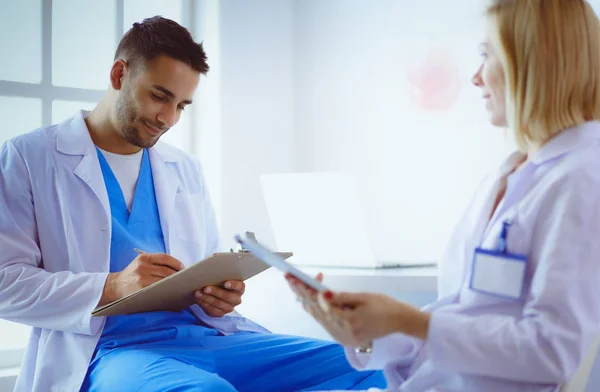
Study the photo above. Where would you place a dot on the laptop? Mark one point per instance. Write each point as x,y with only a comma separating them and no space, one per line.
319,217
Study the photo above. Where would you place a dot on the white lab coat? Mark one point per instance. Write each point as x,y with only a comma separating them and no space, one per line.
55,229
479,342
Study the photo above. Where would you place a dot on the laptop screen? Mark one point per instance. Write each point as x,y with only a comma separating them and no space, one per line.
319,217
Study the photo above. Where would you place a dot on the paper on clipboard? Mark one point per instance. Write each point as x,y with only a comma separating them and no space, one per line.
176,292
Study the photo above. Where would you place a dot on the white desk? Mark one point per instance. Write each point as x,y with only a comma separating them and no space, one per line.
406,279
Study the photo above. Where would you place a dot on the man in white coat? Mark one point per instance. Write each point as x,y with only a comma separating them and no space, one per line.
76,199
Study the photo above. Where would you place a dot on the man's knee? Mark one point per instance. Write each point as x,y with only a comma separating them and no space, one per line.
163,374
209,382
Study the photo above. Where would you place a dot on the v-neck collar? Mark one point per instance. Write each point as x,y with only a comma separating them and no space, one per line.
116,198
144,193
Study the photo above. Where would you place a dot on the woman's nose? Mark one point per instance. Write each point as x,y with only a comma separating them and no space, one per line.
477,80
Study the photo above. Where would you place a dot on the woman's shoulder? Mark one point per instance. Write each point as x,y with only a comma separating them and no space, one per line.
579,168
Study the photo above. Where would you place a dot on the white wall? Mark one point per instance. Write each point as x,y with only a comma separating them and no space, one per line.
357,69
206,121
315,85
254,133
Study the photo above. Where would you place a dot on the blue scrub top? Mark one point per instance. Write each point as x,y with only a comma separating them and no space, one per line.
139,229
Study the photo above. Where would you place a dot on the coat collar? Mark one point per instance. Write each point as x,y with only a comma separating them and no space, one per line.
568,140
563,143
73,137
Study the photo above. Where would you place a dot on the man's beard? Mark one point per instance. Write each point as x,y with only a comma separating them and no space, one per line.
127,118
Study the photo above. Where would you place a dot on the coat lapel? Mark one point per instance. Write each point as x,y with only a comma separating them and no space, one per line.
73,138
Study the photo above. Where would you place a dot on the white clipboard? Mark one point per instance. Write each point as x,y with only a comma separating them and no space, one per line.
277,260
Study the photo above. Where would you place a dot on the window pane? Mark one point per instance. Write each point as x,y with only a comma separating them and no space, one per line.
19,115
21,21
595,5
13,335
61,110
138,10
83,43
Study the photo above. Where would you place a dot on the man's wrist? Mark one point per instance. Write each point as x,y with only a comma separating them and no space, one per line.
108,293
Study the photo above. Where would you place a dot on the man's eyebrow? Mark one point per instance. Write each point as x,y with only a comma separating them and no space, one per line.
164,90
169,93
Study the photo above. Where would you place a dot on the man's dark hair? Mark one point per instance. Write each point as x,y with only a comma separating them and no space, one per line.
158,36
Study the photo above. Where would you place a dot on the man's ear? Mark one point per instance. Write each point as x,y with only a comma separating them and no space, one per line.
118,71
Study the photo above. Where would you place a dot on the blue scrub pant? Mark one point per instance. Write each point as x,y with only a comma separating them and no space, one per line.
242,362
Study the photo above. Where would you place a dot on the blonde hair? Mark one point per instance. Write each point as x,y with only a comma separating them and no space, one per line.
550,53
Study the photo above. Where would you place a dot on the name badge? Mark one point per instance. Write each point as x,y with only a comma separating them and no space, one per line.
498,272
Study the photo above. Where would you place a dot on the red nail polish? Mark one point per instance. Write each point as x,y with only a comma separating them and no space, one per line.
328,295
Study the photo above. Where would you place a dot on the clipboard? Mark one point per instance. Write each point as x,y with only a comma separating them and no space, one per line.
176,292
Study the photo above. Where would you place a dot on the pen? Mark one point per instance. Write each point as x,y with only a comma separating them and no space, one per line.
141,252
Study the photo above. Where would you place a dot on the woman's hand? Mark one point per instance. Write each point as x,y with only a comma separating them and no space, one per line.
315,304
370,316
356,319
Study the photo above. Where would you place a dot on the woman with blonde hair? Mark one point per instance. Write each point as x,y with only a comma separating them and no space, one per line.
519,283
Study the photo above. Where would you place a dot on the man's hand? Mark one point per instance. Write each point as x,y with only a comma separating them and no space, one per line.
143,271
218,301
